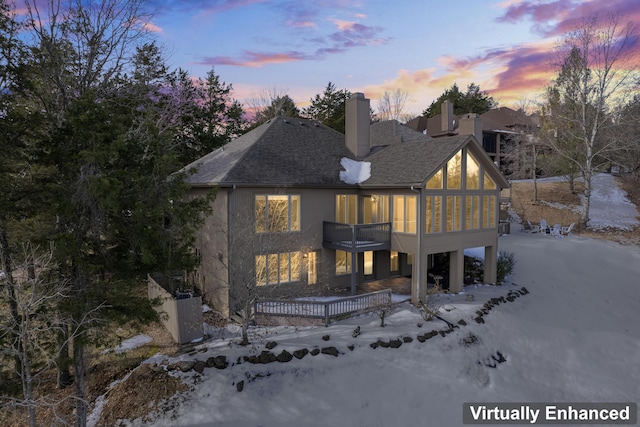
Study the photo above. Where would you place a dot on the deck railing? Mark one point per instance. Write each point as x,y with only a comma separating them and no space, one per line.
356,237
326,311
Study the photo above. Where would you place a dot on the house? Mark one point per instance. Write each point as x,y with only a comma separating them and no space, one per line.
302,208
501,132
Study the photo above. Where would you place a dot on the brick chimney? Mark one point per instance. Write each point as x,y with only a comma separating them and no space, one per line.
446,117
471,124
357,125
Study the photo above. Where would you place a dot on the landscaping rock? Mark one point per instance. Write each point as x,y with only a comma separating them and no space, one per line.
421,338
374,345
315,352
219,362
266,357
431,334
270,345
331,351
299,354
461,322
185,365
356,332
240,386
383,344
407,339
351,347
395,343
199,366
479,319
284,356
326,337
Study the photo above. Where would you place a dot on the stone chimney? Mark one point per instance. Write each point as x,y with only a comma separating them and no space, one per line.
357,125
471,124
446,117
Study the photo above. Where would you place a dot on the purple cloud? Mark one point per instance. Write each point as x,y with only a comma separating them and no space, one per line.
562,16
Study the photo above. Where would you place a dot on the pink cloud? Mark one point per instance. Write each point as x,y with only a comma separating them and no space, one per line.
254,59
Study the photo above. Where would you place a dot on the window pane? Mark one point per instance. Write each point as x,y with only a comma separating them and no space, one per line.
398,214
272,269
261,270
295,261
295,213
488,183
454,171
473,173
343,262
352,209
435,182
453,213
395,264
428,217
278,213
381,207
437,214
368,263
410,214
341,208
284,267
369,205
489,212
261,214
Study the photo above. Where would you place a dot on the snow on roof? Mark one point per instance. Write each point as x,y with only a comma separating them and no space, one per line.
355,172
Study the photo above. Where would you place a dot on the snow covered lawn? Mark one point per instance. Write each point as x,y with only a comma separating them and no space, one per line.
573,338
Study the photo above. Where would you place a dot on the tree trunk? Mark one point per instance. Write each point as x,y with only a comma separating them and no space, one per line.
62,364
81,401
5,263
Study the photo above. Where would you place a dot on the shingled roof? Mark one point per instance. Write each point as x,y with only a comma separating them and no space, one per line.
284,151
299,152
411,163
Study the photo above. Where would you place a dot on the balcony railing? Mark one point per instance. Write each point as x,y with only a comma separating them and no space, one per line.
356,237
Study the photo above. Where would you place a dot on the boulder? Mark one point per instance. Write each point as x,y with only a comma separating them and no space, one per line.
284,356
266,357
199,366
270,345
299,354
331,351
395,343
315,352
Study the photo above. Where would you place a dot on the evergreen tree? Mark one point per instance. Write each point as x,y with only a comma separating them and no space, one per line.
329,107
472,101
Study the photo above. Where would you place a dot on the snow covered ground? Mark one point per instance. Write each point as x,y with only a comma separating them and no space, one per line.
573,338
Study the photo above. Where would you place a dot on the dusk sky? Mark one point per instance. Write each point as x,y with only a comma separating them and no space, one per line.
422,47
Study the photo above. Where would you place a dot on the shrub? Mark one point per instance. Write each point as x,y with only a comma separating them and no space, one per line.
506,262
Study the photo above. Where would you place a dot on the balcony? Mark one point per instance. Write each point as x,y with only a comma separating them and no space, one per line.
356,237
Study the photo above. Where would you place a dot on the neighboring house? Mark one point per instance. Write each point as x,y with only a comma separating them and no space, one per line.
501,132
302,208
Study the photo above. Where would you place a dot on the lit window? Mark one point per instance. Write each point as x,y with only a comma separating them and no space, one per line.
453,213
472,214
277,213
273,269
395,261
435,182
489,184
489,212
473,173
347,208
343,263
433,216
404,214
454,171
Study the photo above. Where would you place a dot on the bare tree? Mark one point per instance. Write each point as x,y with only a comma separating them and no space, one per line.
38,292
597,72
391,106
271,103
